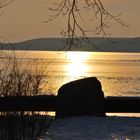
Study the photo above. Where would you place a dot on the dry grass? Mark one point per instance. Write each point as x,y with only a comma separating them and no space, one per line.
24,127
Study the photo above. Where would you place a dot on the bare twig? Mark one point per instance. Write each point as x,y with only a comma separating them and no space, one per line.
4,3
73,10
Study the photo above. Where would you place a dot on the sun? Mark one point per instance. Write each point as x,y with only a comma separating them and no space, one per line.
76,56
76,67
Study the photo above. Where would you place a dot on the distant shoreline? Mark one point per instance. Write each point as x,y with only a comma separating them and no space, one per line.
58,44
73,51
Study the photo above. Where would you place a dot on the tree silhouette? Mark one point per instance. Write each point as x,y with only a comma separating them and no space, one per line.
76,27
74,11
4,3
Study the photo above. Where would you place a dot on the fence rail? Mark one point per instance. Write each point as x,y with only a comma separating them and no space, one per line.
28,103
123,104
49,103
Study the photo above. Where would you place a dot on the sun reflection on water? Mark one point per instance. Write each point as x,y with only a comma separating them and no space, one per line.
77,66
76,69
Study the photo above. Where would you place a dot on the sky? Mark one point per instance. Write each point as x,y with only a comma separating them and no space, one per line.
24,19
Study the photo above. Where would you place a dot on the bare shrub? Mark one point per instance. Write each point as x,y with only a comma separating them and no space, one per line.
23,127
20,78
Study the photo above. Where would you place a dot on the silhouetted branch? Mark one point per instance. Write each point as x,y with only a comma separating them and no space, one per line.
4,3
73,10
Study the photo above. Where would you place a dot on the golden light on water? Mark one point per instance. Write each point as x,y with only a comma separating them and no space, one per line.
77,56
77,66
76,69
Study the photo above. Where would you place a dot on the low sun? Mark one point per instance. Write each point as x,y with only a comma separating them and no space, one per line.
76,66
76,69
76,56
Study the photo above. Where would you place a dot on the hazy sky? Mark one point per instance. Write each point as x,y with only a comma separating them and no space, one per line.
24,19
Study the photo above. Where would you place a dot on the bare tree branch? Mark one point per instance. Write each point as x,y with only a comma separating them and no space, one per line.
73,11
4,3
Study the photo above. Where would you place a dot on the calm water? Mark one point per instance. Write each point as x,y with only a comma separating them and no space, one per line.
119,73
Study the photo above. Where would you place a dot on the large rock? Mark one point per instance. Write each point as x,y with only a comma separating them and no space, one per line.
81,97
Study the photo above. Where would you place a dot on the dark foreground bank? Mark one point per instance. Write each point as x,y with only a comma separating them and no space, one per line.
23,127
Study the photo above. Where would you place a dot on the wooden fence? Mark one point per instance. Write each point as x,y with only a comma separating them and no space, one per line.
48,103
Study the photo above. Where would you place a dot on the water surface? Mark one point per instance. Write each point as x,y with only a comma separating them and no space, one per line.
119,73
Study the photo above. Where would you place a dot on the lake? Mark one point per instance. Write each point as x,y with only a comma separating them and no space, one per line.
119,73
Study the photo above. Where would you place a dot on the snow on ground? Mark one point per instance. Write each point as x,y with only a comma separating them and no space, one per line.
94,128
